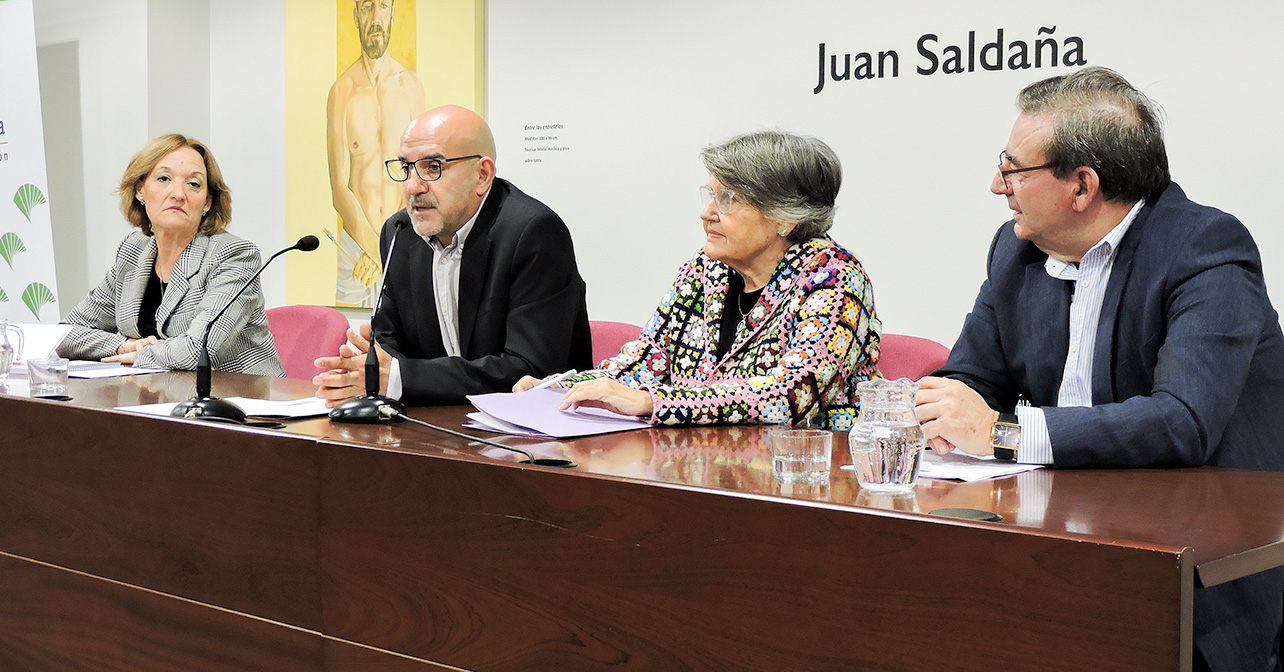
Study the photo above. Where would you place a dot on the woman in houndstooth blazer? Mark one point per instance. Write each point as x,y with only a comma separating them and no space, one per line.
174,273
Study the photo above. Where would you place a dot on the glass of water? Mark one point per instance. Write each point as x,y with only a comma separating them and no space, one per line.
48,376
801,455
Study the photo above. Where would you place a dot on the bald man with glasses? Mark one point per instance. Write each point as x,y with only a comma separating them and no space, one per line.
482,287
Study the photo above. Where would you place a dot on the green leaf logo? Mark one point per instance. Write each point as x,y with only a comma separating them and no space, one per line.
4,298
10,246
37,296
28,197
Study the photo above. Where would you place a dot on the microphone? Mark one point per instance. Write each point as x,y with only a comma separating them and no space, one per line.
203,406
373,408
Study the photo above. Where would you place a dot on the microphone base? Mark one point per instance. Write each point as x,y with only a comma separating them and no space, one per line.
365,410
209,408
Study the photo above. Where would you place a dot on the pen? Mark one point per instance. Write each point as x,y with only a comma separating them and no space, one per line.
555,380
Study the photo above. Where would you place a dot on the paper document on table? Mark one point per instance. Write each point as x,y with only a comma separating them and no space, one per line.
963,467
957,466
41,340
537,410
487,422
83,368
292,409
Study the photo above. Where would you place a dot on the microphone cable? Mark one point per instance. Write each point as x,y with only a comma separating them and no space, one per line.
389,412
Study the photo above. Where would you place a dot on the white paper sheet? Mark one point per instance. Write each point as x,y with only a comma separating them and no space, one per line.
537,409
958,466
306,407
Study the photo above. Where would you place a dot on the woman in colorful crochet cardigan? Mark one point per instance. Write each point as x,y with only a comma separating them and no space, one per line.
772,322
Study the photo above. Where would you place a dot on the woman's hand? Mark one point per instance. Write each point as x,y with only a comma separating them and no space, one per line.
126,358
609,394
134,345
128,351
527,382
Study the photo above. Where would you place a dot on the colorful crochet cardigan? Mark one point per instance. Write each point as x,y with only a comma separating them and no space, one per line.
797,356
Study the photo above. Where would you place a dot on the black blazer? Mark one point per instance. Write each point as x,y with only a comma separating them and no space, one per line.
1188,370
521,303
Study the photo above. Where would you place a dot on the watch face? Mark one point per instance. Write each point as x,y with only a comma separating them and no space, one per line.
1007,435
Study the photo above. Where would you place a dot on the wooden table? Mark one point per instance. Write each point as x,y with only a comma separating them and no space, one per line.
139,543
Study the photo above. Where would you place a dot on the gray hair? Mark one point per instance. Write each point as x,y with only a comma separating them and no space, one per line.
1100,121
792,179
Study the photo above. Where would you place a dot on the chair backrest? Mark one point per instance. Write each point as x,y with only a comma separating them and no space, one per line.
902,356
609,337
303,333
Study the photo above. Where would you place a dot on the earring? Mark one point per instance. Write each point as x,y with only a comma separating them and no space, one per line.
140,200
782,231
204,212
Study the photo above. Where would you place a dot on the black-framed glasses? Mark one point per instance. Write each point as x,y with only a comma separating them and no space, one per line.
724,200
427,169
1004,158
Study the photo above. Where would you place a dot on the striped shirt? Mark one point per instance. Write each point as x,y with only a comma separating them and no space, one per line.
1090,277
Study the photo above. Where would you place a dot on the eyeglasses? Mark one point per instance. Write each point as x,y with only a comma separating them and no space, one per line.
1005,159
427,169
724,200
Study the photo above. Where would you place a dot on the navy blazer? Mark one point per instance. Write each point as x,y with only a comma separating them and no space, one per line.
521,303
1188,370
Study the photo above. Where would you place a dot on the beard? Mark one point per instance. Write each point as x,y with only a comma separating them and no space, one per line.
374,42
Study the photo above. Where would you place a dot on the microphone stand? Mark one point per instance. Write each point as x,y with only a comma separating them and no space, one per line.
373,408
204,406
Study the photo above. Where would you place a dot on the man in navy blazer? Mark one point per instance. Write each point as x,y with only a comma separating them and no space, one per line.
481,287
1120,325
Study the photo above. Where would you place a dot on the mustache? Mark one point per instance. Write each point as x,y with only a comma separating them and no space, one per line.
422,201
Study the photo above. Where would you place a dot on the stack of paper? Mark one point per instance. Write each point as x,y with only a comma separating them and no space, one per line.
536,413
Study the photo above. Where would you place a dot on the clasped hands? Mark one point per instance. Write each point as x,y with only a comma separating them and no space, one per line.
605,393
128,351
345,375
954,416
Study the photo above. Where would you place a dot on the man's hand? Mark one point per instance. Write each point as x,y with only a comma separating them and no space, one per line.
345,377
366,270
609,394
954,416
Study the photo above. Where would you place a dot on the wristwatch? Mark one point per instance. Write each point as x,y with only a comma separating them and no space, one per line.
1005,437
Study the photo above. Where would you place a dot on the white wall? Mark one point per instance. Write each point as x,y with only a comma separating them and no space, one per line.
247,124
112,38
640,87
215,71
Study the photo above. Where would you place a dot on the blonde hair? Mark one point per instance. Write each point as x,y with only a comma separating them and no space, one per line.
220,212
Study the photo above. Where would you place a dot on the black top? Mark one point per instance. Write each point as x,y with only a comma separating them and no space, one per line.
739,303
151,303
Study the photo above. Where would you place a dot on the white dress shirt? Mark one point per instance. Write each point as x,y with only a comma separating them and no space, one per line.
1090,276
446,263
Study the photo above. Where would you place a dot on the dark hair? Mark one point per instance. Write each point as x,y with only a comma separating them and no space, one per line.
792,179
1100,121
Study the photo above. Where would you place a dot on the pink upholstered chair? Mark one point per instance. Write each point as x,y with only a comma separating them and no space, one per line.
609,337
910,357
303,333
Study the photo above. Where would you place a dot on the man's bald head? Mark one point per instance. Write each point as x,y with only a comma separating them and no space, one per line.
463,148
459,129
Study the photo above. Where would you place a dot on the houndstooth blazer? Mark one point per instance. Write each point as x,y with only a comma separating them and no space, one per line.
207,274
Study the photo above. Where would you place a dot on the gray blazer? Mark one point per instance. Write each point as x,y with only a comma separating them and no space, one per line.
206,275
